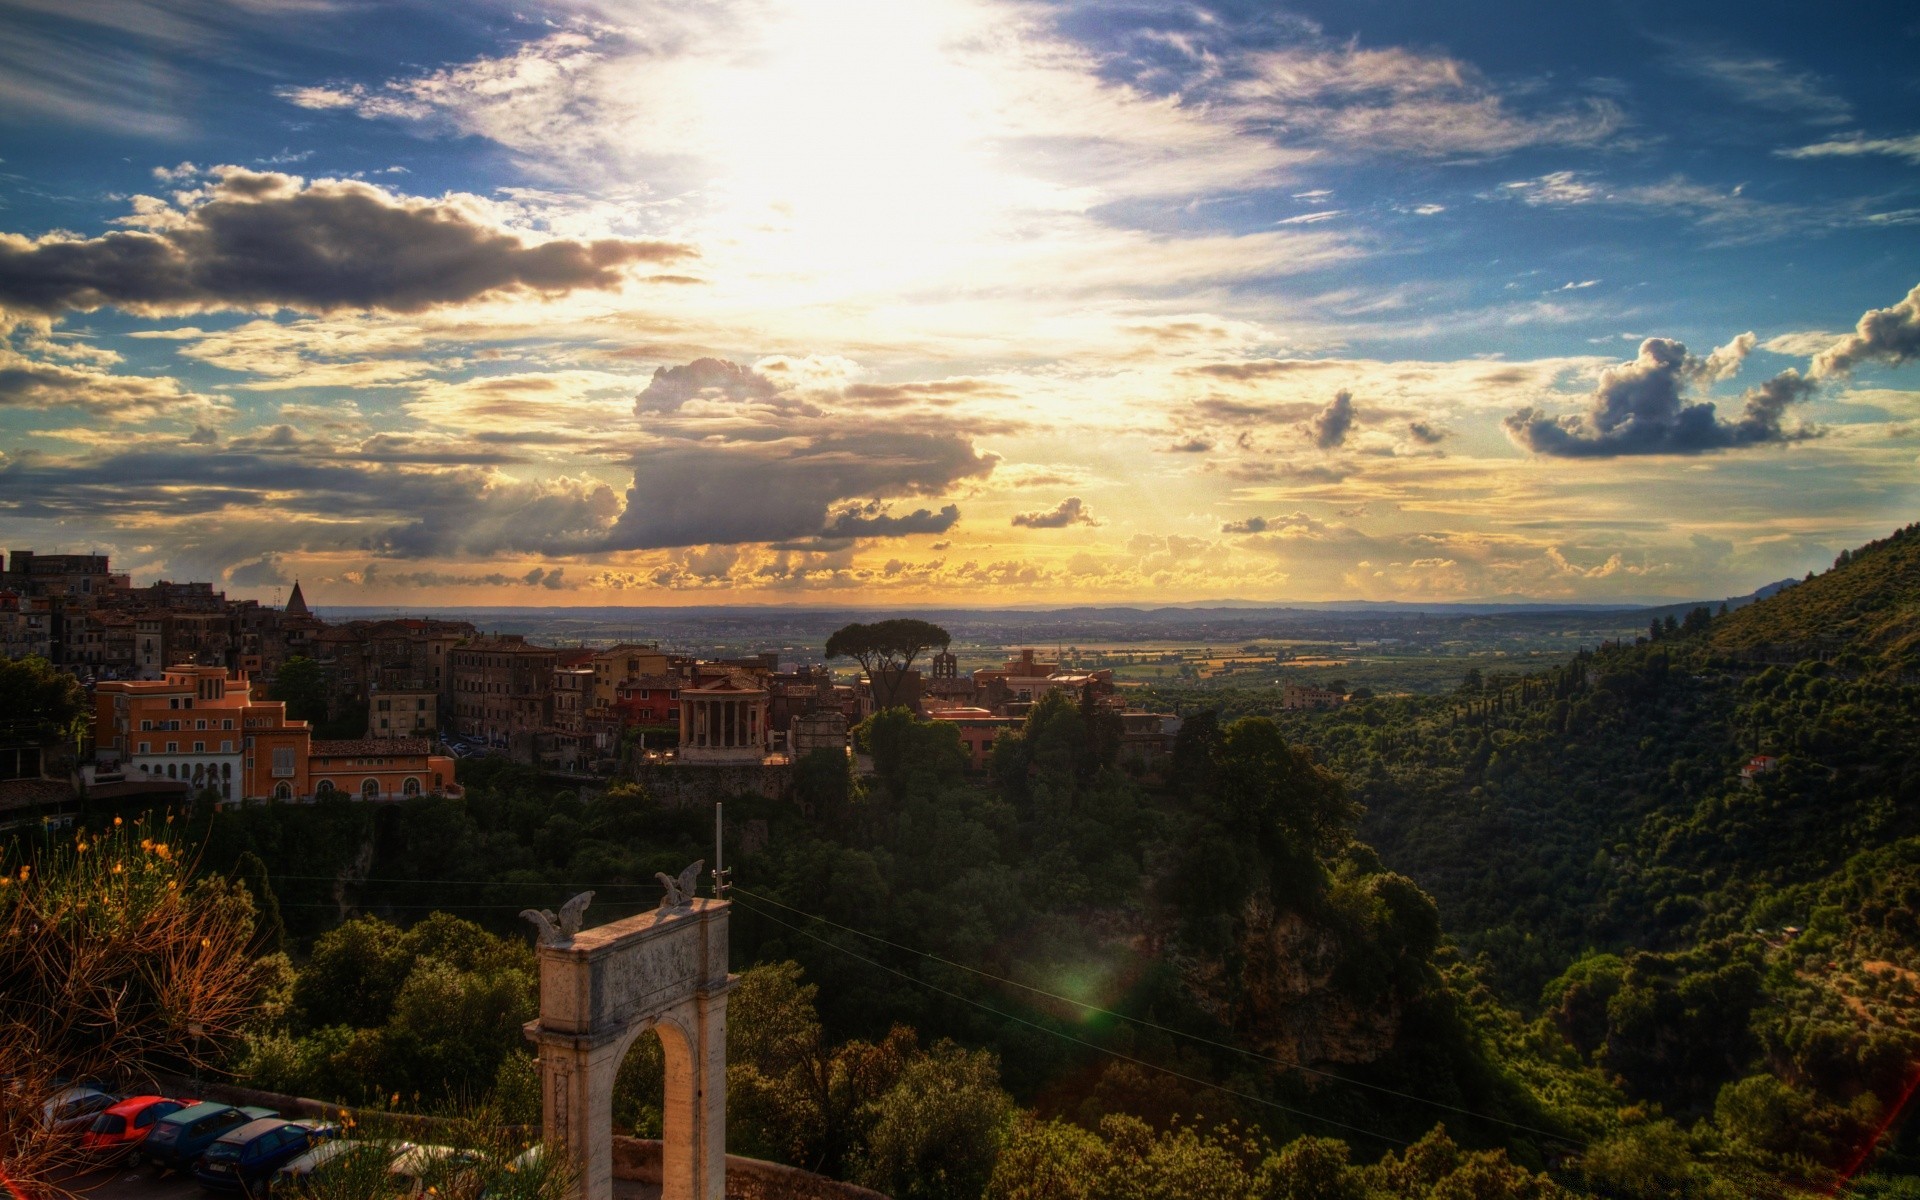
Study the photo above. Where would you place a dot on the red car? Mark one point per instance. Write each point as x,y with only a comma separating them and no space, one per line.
123,1126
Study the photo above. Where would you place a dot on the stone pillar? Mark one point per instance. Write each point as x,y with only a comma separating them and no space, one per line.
693,1115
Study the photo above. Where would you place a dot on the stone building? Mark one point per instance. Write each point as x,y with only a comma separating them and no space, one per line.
502,687
403,713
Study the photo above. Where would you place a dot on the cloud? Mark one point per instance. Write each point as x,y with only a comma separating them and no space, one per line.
871,520
1192,445
1724,362
285,499
1331,426
1250,525
30,384
1854,145
1425,433
263,240
1768,83
1641,408
1884,335
1071,511
781,489
1402,101
706,379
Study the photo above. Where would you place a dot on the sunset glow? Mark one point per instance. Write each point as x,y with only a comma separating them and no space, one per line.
970,301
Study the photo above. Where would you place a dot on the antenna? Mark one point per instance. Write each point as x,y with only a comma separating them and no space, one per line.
719,865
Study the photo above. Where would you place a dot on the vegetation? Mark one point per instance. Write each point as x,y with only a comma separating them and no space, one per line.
115,962
886,649
1538,936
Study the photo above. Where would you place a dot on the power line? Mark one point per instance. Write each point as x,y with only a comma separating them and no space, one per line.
1138,1062
1094,1008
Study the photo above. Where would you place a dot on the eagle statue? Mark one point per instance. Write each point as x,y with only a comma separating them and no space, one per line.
559,931
680,891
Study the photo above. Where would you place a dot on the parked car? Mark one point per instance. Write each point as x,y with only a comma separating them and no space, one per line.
176,1141
241,1160
72,1109
416,1169
291,1179
123,1126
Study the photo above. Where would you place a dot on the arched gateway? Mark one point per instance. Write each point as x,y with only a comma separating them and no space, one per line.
599,990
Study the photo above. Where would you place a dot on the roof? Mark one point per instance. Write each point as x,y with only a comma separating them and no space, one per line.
297,603
252,1129
365,747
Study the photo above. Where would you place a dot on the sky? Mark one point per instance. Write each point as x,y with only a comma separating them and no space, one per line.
968,302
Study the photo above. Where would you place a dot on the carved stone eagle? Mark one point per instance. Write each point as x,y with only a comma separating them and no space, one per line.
680,892
559,931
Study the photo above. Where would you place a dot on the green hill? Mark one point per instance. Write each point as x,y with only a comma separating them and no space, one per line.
1870,601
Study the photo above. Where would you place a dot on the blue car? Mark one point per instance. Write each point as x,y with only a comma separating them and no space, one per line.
177,1141
242,1159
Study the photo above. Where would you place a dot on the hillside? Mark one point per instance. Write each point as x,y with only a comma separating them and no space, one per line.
1870,600
1737,949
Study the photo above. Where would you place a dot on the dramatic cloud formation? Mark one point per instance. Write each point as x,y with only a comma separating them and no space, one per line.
1331,426
1641,408
703,378
872,520
1071,511
1884,335
26,383
254,240
697,493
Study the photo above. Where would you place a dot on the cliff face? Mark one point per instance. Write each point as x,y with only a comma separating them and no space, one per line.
1285,1001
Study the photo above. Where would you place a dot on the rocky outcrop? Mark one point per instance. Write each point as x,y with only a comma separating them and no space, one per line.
1286,1001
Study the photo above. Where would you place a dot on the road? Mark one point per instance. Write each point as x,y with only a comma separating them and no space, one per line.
137,1183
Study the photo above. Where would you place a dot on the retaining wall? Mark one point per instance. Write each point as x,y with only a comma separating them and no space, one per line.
638,1160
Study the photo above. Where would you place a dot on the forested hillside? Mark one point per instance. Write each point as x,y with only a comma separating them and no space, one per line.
1535,938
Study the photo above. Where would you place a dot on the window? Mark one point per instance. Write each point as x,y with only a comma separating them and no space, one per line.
201,724
324,788
282,761
146,747
173,747
283,791
411,787
370,788
199,747
145,725
227,724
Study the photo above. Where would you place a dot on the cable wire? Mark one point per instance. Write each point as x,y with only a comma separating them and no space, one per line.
1138,1062
1141,1021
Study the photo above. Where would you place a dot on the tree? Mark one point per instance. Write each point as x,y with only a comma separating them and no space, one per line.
40,702
938,1131
886,649
303,686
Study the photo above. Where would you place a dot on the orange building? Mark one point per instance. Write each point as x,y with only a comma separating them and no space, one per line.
379,769
200,726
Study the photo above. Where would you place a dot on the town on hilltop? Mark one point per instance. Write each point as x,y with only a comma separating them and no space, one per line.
197,693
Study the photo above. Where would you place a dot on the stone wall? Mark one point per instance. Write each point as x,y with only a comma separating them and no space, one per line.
693,785
638,1160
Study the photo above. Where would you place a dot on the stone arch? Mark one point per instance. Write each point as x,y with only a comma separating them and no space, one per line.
411,787
370,788
323,788
283,791
600,990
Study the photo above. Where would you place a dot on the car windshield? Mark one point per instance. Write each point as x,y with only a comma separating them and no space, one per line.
109,1123
165,1131
223,1151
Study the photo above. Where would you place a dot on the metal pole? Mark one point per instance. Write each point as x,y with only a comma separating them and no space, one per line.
719,864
